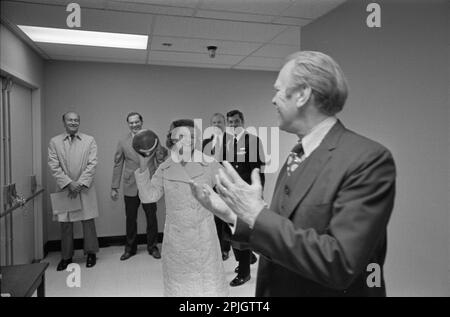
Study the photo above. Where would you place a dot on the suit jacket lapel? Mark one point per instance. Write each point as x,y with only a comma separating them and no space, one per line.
314,164
131,152
280,180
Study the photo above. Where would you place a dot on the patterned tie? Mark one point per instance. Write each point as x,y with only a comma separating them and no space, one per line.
295,158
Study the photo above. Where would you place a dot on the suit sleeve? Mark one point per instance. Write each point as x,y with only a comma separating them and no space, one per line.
62,179
119,159
87,176
149,190
361,212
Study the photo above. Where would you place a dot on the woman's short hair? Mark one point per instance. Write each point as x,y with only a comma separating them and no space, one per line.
176,124
325,77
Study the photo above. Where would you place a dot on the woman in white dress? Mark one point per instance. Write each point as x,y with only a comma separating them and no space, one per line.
191,256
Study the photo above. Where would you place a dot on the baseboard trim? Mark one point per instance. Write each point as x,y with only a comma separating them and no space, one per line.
103,242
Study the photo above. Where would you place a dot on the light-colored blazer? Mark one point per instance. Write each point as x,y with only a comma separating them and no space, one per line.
76,161
126,161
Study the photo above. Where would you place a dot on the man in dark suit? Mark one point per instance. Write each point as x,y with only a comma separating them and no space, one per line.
324,233
126,161
244,151
212,146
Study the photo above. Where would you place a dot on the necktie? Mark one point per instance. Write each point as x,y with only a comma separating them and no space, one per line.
235,149
295,158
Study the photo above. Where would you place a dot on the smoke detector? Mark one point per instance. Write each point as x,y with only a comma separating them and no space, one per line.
212,51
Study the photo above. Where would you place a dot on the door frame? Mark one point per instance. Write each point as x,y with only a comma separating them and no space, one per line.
36,119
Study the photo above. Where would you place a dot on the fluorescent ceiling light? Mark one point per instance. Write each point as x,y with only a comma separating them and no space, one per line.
88,38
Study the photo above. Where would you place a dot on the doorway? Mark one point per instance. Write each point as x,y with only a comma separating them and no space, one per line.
17,221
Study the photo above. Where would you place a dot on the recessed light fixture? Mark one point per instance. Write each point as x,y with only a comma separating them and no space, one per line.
87,38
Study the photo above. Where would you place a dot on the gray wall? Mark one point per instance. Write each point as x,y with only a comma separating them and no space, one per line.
398,76
26,67
104,93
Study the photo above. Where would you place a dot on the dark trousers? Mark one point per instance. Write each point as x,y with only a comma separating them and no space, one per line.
243,257
221,226
131,210
90,241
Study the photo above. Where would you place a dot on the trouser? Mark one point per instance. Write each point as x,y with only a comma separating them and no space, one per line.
224,244
243,257
90,241
131,209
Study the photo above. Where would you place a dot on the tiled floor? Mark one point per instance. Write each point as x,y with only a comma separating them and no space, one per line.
141,275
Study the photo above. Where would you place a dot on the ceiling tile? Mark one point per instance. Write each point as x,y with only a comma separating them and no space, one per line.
290,36
311,9
149,8
187,64
277,51
100,4
233,16
119,22
215,29
268,7
291,21
172,3
193,58
200,45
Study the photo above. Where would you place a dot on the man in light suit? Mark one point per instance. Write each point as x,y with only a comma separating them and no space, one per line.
72,158
126,161
324,233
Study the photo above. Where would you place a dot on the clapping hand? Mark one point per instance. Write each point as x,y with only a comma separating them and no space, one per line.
211,201
243,199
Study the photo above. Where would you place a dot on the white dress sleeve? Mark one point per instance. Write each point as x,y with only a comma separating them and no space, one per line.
149,190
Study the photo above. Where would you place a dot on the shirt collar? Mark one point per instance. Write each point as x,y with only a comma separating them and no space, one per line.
77,135
313,139
238,137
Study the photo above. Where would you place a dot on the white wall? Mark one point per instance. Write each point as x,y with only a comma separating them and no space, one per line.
104,93
398,76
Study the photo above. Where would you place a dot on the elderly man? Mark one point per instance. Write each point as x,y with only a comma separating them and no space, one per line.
324,233
72,158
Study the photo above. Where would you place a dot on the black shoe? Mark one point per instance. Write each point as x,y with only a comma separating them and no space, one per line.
91,260
155,252
127,255
239,280
236,270
225,255
253,258
62,265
